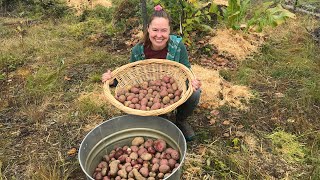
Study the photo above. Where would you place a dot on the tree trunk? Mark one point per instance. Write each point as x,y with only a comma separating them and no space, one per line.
144,14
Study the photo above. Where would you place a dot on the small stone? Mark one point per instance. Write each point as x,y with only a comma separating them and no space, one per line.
226,134
226,122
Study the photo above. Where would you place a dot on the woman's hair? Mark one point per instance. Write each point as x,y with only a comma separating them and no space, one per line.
158,12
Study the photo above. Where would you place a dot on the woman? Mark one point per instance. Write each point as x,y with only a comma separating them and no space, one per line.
158,43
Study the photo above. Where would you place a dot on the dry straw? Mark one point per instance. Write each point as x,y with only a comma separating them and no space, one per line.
145,70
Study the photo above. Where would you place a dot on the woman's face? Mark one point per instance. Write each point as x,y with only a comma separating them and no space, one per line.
159,31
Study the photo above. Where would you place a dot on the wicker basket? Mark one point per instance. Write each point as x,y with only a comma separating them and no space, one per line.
151,69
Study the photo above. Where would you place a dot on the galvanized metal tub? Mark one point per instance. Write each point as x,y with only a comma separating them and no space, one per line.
120,131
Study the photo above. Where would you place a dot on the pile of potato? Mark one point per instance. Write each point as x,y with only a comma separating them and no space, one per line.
143,160
150,95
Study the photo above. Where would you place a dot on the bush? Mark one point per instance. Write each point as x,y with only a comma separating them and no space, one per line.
35,8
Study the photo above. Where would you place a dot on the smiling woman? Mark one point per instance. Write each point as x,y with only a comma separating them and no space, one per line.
157,43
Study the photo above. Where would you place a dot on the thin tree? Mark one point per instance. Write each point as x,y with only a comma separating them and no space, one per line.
144,14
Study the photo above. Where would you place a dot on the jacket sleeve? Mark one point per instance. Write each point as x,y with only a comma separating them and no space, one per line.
132,56
184,59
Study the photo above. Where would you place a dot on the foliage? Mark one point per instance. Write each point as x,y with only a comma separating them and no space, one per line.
189,17
99,12
235,13
267,15
125,11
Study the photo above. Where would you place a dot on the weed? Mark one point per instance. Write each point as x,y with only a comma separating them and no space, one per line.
287,146
43,83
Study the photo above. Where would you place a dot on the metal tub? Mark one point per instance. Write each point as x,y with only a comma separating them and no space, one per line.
120,131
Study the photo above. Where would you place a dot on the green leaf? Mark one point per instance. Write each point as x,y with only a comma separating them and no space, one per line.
2,76
189,21
206,28
214,8
198,13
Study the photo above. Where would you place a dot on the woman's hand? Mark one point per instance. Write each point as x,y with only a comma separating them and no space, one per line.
196,84
106,76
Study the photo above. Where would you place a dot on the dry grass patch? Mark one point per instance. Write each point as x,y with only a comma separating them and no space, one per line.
81,5
236,43
218,92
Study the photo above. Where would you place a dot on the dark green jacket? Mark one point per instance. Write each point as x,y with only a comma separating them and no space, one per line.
176,51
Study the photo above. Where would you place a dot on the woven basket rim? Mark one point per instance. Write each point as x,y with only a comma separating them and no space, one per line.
119,105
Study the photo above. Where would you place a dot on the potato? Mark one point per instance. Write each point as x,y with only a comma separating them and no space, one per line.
137,106
163,162
166,100
130,97
122,98
155,167
144,101
158,154
146,156
160,175
144,171
155,161
171,96
143,107
123,173
137,175
164,168
166,79
102,164
137,141
134,90
150,91
172,80
175,155
141,151
160,145
98,176
132,106
134,148
178,92
156,106
172,163
152,174
174,86
135,100
137,166
170,90
113,166
129,168
163,93
149,104
156,100
106,178
131,175
127,103
134,162
122,158
140,161
118,153
176,99
151,150
104,171
148,143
